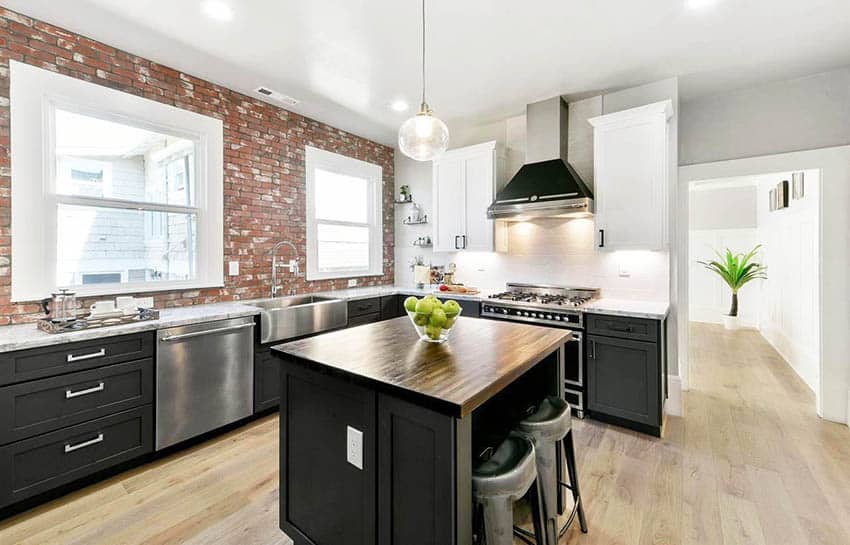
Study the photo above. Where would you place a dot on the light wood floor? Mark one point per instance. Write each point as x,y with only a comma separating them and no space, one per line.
749,463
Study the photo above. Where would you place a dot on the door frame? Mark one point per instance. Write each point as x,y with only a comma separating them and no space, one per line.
833,389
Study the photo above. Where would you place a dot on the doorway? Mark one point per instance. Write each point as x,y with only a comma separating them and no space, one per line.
773,217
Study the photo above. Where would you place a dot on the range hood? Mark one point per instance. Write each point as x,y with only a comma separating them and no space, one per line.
546,185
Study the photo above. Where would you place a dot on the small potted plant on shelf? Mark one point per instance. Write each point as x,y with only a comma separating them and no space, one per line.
736,270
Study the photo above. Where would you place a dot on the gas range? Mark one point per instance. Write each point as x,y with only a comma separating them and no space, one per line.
556,306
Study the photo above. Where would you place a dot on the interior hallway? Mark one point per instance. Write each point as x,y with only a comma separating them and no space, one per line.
750,463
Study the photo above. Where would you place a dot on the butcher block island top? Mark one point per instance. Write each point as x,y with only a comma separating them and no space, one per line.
480,358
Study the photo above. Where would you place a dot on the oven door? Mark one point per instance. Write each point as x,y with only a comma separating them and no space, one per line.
574,361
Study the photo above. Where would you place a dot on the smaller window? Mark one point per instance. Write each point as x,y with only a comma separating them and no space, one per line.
344,216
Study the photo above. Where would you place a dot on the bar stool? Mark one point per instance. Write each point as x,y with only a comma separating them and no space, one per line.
545,425
497,482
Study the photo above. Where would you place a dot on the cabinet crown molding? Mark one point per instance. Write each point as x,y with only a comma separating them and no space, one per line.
641,112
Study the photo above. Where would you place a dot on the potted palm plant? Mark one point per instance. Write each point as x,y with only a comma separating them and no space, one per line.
736,270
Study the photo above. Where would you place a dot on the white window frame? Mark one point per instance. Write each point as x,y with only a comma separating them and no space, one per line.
35,94
316,158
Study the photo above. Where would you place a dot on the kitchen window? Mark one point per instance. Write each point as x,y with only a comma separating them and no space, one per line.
344,216
128,191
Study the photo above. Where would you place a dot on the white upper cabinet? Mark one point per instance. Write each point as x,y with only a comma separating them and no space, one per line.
631,171
464,186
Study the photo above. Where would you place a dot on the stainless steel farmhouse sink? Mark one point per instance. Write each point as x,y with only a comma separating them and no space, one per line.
285,318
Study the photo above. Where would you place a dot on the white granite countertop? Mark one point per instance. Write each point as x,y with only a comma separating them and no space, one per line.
23,336
654,310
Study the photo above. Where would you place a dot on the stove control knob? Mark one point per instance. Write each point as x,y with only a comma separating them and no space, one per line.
525,314
504,311
548,316
558,317
533,315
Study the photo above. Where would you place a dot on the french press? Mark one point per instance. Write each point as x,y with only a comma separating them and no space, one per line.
61,307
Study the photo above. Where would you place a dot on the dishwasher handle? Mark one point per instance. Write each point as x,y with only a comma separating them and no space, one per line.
171,338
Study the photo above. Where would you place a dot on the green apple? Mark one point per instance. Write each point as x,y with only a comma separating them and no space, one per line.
421,319
410,304
433,332
438,318
449,322
451,308
424,306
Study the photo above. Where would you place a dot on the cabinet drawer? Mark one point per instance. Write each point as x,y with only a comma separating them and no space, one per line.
39,464
69,357
364,319
639,329
364,306
40,406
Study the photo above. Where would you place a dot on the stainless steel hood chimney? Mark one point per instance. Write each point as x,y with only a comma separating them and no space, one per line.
546,185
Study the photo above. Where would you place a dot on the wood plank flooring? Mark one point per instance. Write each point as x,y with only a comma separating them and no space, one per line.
749,463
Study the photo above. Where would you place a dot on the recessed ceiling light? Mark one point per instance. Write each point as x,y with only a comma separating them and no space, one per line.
399,106
218,10
700,4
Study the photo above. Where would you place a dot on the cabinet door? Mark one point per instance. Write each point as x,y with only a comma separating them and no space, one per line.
416,474
449,205
630,177
479,176
623,379
266,380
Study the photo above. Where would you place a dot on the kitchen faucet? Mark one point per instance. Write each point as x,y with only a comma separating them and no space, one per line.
293,264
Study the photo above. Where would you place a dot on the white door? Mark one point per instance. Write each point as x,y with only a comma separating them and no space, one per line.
479,195
449,204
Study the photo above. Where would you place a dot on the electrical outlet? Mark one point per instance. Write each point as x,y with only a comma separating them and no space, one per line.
352,282
233,268
624,271
355,448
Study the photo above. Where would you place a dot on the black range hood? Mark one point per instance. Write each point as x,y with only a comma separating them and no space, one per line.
549,187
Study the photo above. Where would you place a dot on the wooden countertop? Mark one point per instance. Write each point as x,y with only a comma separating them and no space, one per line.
480,358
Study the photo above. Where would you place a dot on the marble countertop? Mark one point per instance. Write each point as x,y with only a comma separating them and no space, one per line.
23,336
654,310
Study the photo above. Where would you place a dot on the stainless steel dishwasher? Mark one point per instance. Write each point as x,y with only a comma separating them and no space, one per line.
204,378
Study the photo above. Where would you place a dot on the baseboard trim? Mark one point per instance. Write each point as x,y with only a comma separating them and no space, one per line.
674,406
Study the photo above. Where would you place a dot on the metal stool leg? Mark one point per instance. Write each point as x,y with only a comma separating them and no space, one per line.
498,520
570,454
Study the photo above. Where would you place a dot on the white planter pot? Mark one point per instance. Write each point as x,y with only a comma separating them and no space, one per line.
730,322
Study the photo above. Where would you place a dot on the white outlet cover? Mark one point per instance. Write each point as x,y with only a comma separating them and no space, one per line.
352,282
233,268
354,443
624,271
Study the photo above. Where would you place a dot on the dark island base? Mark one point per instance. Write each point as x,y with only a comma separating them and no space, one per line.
415,485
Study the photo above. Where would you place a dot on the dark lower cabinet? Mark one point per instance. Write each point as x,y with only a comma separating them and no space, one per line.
335,500
47,461
625,377
416,471
266,379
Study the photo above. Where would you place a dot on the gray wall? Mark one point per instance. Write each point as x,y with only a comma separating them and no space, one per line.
724,208
806,113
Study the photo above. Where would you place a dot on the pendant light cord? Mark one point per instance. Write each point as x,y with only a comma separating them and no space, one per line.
423,52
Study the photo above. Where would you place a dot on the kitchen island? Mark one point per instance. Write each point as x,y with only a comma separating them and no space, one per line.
379,429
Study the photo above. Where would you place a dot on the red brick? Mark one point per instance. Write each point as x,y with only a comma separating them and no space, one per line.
264,158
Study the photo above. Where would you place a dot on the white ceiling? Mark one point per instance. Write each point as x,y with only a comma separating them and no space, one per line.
348,60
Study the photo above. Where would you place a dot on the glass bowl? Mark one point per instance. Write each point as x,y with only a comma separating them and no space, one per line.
432,333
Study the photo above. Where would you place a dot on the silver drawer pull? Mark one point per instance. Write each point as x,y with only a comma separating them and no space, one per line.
169,338
100,353
69,394
84,444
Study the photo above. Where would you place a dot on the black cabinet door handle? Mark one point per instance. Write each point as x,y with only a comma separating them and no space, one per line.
464,242
602,238
457,247
592,347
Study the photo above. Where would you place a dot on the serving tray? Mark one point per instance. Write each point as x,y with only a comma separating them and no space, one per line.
85,321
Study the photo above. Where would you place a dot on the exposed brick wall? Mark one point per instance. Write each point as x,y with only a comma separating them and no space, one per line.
264,184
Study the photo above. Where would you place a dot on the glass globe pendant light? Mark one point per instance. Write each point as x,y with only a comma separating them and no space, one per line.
423,136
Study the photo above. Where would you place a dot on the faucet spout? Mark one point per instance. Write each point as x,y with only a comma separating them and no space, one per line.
293,263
